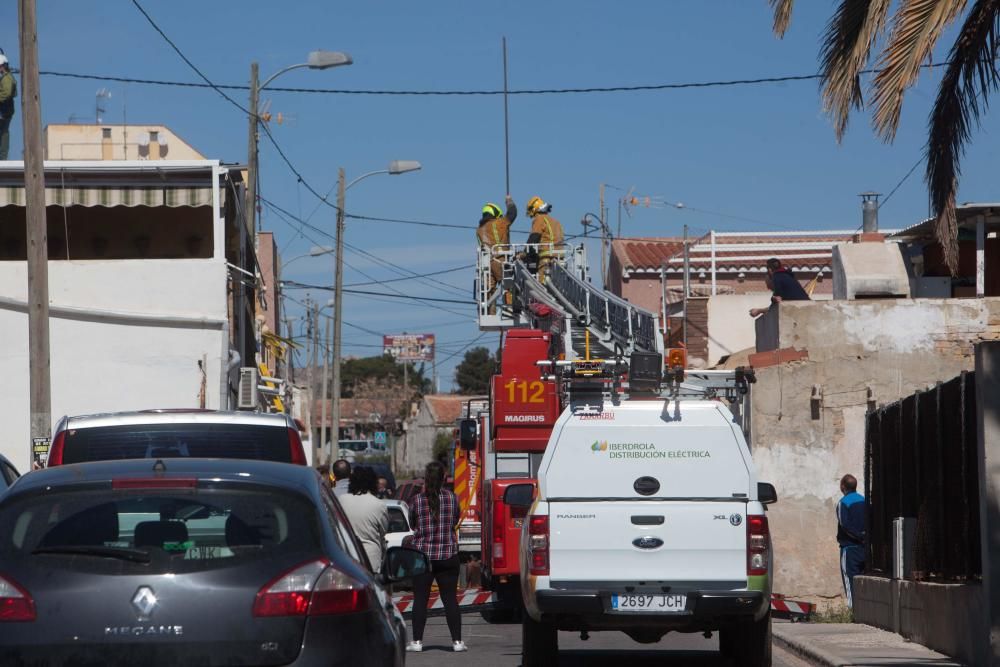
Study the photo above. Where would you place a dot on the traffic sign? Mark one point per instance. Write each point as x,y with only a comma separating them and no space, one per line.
379,437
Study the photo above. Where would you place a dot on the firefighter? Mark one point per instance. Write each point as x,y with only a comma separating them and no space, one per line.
494,230
547,232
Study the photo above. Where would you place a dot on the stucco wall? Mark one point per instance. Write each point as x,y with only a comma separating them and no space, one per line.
730,327
101,364
895,347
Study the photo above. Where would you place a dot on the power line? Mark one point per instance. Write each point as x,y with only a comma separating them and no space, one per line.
720,83
457,352
293,284
208,82
422,275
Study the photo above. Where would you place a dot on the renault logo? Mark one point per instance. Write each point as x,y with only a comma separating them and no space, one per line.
647,542
144,602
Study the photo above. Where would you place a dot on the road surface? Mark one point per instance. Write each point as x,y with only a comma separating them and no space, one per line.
500,646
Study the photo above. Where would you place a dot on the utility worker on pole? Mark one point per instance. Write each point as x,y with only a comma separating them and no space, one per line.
8,91
547,232
494,230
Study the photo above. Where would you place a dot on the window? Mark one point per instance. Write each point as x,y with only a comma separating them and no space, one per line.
160,530
105,132
154,136
139,441
397,521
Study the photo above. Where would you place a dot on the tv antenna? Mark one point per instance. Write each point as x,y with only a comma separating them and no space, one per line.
102,94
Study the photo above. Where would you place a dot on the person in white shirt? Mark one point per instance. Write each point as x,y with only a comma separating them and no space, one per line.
368,515
341,476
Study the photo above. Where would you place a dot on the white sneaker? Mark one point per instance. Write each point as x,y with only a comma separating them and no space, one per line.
414,647
459,647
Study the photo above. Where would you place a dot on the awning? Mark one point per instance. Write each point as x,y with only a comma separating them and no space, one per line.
92,195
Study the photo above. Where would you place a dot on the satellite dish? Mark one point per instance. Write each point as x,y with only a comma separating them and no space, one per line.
143,140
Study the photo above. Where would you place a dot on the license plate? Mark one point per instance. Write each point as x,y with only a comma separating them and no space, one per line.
657,603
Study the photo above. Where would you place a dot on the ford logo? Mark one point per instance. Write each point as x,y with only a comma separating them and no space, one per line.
647,542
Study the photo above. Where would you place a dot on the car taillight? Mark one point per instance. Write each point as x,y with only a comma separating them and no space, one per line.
15,602
758,545
499,533
56,451
538,545
295,445
314,588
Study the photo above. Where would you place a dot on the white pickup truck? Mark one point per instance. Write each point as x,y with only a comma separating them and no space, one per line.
648,519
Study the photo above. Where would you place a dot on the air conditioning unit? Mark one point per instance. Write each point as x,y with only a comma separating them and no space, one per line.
249,377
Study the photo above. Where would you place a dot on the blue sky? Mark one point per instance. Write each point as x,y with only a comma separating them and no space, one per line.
762,152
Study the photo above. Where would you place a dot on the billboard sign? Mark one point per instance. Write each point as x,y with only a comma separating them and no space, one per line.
409,347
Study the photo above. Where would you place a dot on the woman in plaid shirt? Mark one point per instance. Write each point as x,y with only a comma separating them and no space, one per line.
435,519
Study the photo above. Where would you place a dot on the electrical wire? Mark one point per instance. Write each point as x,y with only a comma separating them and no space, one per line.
720,83
422,275
293,284
901,181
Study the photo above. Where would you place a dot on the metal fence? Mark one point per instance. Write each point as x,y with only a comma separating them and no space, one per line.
921,461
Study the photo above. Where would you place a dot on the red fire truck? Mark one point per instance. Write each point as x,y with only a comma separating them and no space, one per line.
499,446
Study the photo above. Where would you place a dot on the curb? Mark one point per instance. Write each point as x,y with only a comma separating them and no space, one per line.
803,650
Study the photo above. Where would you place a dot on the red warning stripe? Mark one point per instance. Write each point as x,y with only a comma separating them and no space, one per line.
404,602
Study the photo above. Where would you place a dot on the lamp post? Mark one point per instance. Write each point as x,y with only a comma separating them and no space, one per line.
396,167
316,60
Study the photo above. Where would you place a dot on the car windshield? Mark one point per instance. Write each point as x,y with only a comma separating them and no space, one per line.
177,531
354,445
397,521
138,441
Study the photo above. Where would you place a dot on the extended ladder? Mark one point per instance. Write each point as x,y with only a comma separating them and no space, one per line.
617,327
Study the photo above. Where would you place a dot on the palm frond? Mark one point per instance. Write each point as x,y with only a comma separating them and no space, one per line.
782,15
962,98
847,44
916,28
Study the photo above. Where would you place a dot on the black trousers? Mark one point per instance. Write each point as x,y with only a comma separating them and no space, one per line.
445,572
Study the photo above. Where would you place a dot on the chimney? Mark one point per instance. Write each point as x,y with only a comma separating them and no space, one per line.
869,212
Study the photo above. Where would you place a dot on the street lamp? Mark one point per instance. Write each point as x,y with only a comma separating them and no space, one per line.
316,60
396,167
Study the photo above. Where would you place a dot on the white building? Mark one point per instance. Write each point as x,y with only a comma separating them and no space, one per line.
152,286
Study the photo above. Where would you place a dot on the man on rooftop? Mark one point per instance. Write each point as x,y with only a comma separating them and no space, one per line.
784,286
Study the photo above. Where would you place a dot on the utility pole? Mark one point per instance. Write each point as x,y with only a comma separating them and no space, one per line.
314,342
252,155
40,401
338,306
687,285
604,236
325,393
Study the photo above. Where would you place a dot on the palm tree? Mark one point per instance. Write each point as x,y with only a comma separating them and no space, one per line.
970,74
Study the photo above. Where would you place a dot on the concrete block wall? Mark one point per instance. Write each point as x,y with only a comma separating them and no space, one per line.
945,617
804,447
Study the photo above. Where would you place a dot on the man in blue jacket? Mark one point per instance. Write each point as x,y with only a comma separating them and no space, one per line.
851,534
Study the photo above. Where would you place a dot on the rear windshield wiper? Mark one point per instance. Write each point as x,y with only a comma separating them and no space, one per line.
121,553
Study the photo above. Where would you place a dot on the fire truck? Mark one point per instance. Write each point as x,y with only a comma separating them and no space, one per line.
501,443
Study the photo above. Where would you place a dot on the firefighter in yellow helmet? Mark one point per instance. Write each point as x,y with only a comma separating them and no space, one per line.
494,230
547,232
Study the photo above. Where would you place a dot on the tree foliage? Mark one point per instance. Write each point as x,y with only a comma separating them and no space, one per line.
384,371
971,74
473,375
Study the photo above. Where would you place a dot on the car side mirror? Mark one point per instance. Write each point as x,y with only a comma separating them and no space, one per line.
519,495
766,493
467,432
403,563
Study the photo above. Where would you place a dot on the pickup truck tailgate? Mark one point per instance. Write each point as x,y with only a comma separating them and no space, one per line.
647,542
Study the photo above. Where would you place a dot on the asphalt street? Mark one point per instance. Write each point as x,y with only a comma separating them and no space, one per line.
500,646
